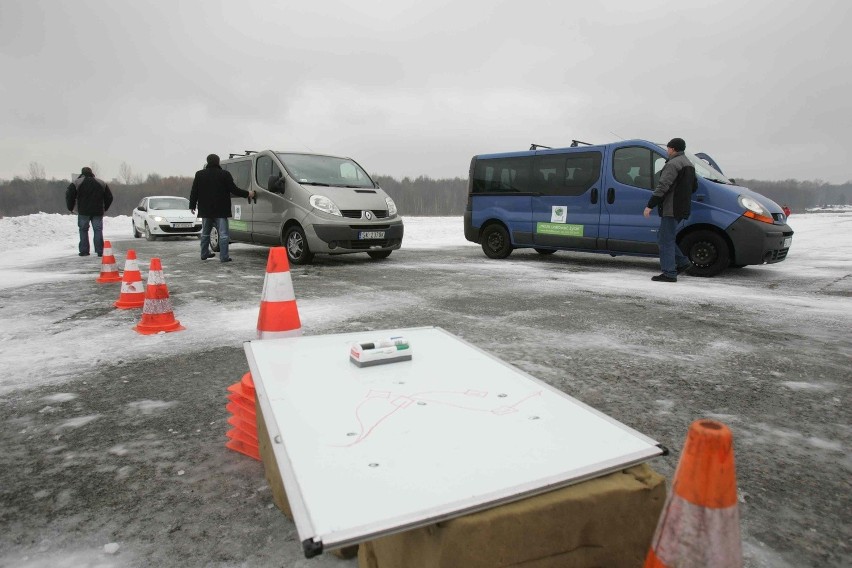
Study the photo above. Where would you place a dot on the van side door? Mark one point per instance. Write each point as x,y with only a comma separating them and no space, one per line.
566,211
271,203
239,225
630,177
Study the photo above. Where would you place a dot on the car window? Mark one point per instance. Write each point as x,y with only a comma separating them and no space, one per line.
264,168
160,203
636,166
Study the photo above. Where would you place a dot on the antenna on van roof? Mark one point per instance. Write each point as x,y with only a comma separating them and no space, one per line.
575,143
537,146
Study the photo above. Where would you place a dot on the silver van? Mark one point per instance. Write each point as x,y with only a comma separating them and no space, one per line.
310,204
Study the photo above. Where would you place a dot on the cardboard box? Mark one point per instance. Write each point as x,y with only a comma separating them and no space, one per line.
606,522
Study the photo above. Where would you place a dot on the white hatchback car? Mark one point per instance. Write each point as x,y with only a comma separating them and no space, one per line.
165,216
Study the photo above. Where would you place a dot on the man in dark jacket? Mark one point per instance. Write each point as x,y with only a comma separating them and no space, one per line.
92,198
211,193
673,198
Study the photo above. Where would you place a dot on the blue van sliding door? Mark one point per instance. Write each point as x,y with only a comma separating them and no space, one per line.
566,203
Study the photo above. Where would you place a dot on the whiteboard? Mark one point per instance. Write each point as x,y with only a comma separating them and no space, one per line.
366,452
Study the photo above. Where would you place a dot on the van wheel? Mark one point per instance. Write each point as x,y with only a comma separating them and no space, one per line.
148,235
214,239
136,233
297,246
379,254
707,251
495,241
545,251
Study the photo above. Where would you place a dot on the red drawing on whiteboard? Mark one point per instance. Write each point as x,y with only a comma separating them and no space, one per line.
379,406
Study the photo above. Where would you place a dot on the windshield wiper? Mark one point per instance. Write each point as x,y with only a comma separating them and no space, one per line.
315,183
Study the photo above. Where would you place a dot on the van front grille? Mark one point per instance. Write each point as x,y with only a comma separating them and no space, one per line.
357,213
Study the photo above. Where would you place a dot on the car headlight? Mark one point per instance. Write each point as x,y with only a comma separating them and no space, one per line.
391,206
754,209
159,219
325,205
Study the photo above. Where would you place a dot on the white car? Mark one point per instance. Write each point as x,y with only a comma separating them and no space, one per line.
165,216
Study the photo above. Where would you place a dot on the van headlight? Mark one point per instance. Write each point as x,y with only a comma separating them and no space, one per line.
391,206
159,219
324,204
754,209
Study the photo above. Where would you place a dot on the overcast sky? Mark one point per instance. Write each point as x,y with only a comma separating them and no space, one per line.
417,87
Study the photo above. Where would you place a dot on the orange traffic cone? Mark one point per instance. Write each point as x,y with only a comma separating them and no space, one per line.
700,524
132,293
243,436
279,315
157,313
109,271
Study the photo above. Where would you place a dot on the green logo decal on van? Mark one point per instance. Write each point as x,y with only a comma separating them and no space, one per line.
559,229
238,225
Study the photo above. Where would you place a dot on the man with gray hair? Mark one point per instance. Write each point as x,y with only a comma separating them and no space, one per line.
673,198
92,198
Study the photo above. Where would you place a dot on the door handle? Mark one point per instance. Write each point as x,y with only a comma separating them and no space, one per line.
594,195
610,195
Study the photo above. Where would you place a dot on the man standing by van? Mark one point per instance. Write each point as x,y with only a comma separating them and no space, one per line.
211,192
673,198
92,197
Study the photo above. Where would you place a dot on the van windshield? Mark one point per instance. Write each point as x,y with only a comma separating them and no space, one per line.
703,169
311,169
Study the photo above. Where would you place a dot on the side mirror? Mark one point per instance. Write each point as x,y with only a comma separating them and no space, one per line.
275,184
140,208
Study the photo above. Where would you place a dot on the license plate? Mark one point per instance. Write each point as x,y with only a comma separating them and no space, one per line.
787,242
183,225
363,235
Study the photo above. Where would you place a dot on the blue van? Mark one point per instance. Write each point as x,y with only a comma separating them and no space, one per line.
590,198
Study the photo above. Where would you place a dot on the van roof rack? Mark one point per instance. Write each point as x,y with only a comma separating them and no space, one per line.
575,143
537,146
247,153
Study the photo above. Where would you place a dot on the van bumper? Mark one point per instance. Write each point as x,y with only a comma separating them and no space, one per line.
338,239
759,243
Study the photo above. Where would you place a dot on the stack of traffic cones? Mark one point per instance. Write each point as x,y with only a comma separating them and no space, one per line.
278,317
700,524
157,315
243,436
109,271
132,293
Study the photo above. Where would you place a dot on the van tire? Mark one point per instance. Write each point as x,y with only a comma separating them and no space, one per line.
707,251
495,241
379,254
214,239
545,251
297,246
136,233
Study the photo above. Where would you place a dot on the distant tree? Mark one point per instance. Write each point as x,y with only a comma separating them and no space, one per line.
36,171
125,173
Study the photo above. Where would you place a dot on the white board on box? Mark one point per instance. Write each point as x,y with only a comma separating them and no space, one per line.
365,452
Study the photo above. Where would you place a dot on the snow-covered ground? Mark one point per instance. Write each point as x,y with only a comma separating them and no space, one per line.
50,339
820,249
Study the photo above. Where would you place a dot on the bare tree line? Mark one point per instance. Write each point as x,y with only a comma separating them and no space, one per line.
418,196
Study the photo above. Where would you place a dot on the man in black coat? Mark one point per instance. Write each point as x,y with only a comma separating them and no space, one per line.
211,193
92,198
